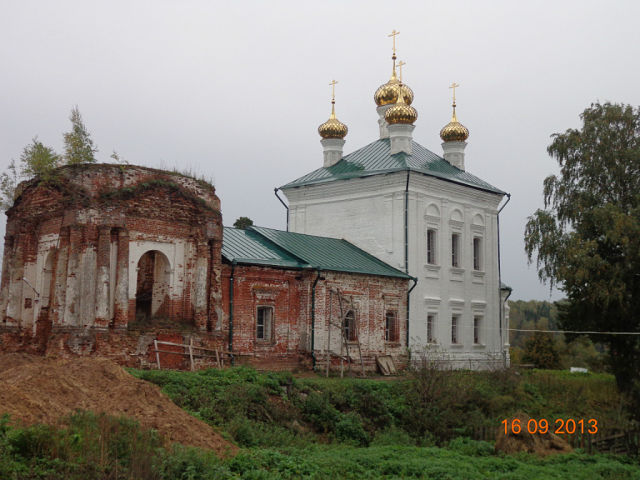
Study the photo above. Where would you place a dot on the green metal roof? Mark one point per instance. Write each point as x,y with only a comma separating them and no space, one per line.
376,159
266,246
329,253
247,246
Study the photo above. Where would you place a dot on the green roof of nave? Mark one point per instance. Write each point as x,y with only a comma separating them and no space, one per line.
376,159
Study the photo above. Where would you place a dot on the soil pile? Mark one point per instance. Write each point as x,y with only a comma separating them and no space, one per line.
43,390
538,443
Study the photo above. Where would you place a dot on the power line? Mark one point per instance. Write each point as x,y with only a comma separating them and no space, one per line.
573,331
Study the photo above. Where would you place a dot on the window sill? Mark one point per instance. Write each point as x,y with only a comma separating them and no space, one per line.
478,276
457,274
432,270
479,346
391,344
457,345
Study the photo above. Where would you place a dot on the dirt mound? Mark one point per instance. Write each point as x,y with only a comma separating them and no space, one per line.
42,390
538,443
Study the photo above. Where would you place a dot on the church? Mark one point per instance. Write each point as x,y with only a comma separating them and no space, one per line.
422,213
391,252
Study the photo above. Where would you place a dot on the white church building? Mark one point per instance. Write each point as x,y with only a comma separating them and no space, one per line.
422,213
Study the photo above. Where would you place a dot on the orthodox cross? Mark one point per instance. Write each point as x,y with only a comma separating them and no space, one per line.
400,64
453,86
333,90
393,35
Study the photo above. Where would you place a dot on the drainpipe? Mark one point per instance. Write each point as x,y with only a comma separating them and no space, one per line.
415,282
406,225
231,284
500,282
313,319
275,190
406,246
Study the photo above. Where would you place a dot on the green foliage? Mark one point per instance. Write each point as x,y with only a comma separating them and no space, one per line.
38,160
243,223
587,239
90,446
540,350
8,183
425,408
78,145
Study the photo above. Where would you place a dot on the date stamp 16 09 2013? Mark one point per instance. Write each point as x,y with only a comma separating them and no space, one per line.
560,426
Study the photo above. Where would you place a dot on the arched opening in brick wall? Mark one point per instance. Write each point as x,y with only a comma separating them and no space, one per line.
47,273
153,285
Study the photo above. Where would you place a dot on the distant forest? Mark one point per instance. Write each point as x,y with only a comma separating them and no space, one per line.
577,351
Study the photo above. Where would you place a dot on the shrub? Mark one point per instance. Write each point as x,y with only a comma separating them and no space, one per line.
350,429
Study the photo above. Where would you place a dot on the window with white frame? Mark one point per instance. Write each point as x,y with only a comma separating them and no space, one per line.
477,253
455,320
431,320
431,246
477,330
264,323
455,249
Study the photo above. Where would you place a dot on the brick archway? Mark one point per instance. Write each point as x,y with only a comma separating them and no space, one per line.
153,285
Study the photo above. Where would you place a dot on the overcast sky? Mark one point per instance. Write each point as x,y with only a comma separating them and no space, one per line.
235,91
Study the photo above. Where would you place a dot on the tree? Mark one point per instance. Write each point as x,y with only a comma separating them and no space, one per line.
36,160
243,223
587,238
540,349
78,146
8,183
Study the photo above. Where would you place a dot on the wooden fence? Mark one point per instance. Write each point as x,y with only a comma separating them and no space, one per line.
192,351
617,441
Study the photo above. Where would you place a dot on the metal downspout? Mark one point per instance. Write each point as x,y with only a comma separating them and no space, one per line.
504,358
313,319
231,284
275,190
406,246
415,282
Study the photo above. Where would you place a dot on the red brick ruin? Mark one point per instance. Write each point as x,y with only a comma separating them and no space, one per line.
105,259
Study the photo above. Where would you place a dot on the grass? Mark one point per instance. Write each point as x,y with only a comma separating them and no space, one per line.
318,428
101,447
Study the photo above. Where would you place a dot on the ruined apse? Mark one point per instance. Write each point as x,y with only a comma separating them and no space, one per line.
101,246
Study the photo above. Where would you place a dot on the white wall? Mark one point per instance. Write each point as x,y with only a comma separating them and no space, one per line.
369,212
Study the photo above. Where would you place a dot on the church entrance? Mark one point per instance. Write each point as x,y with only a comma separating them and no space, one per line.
152,289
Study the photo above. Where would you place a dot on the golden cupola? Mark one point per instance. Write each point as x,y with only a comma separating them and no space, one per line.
454,131
390,92
401,113
333,128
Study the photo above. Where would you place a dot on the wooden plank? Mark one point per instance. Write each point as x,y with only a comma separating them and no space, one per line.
155,343
191,353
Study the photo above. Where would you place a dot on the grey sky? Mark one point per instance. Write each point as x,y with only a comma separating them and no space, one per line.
235,90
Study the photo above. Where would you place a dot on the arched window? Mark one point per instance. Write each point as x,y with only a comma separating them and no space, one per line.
349,326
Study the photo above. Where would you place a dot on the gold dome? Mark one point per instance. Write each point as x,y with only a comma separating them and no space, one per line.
454,131
333,128
389,92
401,112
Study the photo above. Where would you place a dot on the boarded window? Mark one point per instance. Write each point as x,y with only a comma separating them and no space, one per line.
349,326
264,323
391,333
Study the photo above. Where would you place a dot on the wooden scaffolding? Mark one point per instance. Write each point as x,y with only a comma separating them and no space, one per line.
345,305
